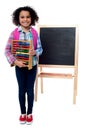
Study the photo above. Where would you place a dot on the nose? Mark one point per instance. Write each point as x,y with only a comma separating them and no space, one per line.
25,18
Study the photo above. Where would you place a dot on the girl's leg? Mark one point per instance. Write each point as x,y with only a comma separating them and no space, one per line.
21,78
30,88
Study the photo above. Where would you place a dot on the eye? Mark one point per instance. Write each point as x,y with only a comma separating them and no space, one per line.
22,17
28,16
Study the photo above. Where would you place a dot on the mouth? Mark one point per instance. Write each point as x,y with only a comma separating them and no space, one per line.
25,23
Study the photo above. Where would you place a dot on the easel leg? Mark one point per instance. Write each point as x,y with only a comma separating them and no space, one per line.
75,90
41,81
41,85
74,97
76,85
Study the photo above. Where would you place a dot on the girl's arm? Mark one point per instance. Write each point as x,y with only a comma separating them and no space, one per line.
10,57
8,53
39,49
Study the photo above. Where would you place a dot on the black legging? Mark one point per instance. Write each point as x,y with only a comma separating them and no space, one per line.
26,79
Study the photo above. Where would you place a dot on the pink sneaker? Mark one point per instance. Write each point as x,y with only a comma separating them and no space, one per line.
29,119
22,119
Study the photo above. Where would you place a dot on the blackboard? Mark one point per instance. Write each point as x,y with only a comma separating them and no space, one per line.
58,45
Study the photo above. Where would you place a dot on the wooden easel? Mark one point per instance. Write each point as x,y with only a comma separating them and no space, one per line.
41,74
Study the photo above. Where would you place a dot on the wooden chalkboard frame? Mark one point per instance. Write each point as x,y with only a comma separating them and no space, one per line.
41,74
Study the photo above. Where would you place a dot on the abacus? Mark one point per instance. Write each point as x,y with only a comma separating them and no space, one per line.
20,49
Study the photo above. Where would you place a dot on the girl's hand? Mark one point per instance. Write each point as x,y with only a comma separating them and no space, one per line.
32,52
20,63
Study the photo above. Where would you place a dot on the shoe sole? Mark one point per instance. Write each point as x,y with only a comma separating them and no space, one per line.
29,123
23,122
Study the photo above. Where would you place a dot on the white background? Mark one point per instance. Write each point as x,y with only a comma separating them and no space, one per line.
54,109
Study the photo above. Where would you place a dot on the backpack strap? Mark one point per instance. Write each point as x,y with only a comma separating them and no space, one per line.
16,34
35,36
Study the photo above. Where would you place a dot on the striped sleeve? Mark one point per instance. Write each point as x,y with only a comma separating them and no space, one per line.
39,49
8,53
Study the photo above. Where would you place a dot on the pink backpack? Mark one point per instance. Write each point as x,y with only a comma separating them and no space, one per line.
16,34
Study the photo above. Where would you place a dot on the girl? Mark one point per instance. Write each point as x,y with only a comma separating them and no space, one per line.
24,18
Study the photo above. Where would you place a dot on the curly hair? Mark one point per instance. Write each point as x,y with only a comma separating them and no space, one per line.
16,13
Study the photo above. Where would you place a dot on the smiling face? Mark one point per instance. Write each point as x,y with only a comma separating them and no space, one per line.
25,19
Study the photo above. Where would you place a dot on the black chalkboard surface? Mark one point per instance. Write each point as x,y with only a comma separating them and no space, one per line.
58,45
